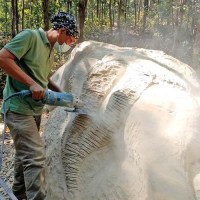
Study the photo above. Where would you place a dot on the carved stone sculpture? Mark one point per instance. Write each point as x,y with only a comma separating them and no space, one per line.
141,137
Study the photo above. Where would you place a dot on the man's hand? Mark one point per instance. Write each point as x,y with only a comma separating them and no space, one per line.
37,91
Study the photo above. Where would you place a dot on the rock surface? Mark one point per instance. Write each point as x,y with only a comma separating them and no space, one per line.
140,138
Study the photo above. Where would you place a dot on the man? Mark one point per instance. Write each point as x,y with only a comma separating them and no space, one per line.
27,60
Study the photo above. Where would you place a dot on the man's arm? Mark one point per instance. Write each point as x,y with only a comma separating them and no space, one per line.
52,86
8,65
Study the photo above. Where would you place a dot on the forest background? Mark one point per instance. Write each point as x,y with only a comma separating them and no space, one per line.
172,26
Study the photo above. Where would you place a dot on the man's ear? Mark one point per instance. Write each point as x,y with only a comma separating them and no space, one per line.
62,30
59,31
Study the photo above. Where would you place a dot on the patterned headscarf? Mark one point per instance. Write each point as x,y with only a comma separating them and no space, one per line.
67,21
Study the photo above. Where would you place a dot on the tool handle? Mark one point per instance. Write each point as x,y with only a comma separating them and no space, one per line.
24,93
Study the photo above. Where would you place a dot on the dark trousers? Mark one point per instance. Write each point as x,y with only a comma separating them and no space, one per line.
29,156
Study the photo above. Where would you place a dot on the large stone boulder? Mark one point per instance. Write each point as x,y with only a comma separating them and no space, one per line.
141,137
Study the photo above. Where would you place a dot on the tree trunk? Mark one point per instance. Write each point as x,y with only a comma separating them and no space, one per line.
146,5
69,6
102,13
193,23
13,32
45,6
104,10
119,15
182,2
139,5
172,13
92,10
17,16
6,16
158,21
176,33
31,16
176,20
196,47
135,11
119,22
113,13
110,14
82,8
168,18
22,14
125,13
97,8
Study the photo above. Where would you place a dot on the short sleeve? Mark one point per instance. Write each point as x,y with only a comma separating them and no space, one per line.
20,44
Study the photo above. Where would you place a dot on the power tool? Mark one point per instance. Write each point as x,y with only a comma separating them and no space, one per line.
69,101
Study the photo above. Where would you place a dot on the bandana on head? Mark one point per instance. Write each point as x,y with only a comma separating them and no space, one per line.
67,21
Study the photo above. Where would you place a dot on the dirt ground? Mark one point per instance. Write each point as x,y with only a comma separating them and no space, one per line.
8,157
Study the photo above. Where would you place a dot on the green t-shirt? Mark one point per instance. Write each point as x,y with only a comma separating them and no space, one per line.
34,56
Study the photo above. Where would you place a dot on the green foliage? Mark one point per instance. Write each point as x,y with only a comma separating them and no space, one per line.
95,28
164,8
159,12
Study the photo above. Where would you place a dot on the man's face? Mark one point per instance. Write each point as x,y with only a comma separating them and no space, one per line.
65,38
